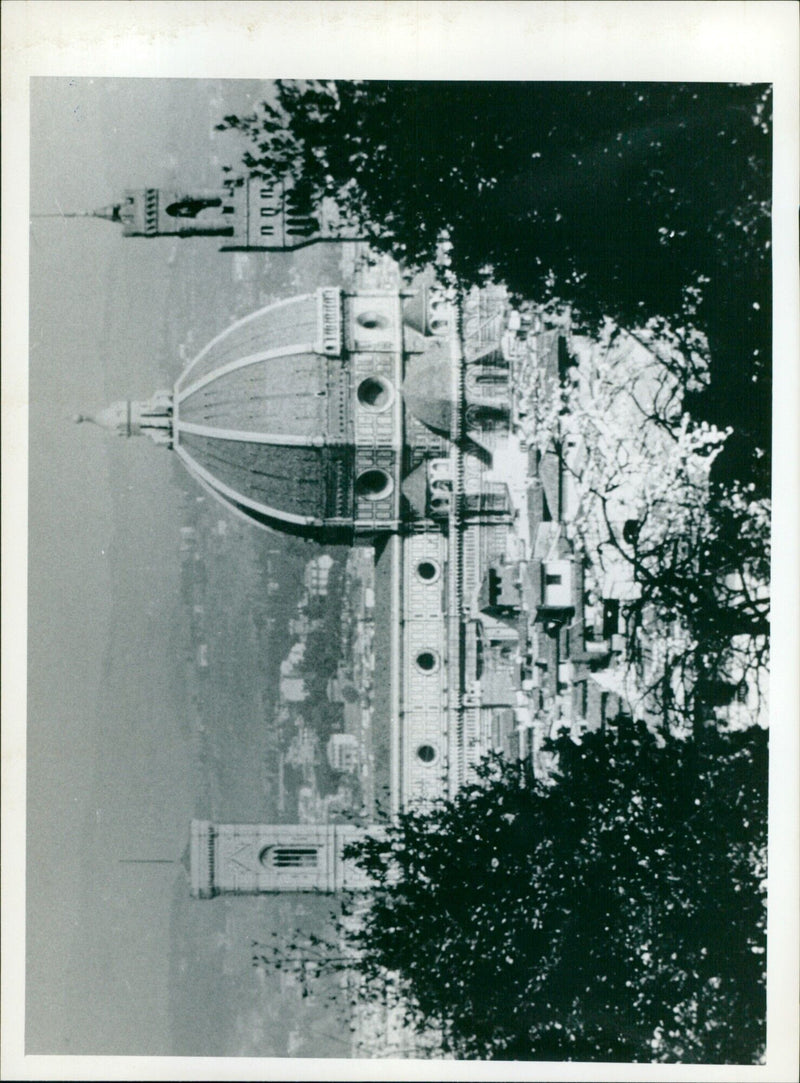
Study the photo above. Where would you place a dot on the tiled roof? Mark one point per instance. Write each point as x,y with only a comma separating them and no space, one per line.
298,481
427,389
263,420
280,395
548,473
499,687
286,323
415,489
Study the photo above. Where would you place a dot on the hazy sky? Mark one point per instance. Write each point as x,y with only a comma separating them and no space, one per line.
109,774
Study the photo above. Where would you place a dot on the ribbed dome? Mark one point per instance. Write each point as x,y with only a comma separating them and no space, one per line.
292,322
262,419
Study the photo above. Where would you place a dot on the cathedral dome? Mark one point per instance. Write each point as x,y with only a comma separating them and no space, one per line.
262,418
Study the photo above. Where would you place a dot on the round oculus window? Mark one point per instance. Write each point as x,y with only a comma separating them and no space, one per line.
375,393
427,660
426,753
428,571
373,484
372,321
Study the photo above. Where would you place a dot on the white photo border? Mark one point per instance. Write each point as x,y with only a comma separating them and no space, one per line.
653,41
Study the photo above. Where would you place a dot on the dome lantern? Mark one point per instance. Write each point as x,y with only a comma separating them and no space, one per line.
152,418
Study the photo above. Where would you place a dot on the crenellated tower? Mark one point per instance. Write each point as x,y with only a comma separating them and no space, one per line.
251,214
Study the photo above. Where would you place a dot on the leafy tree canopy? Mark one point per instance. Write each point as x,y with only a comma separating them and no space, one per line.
617,914
626,200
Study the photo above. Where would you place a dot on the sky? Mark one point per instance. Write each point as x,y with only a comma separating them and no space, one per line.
110,776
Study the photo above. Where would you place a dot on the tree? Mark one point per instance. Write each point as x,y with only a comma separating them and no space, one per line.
691,563
631,201
617,914
328,969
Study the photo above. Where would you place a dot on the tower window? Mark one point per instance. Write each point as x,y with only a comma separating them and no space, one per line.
552,580
190,208
491,376
290,857
267,231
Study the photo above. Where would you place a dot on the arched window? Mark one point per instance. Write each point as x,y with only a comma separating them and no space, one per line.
492,377
190,208
289,857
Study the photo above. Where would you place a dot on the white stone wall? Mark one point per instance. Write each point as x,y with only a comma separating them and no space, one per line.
376,356
424,670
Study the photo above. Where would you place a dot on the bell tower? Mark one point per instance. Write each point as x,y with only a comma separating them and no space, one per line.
251,859
160,212
252,215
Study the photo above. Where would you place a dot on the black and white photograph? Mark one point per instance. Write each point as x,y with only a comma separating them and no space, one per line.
400,604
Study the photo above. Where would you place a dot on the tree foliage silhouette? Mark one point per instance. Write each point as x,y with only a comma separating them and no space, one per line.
617,914
626,200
